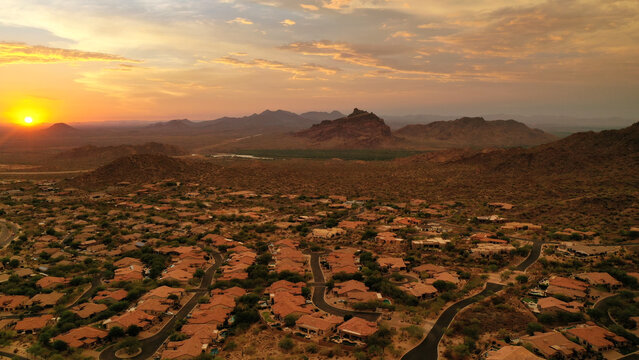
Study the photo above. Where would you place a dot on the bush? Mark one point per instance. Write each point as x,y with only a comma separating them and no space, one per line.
534,327
286,344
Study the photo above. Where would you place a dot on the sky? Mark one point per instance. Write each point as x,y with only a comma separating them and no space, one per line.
78,60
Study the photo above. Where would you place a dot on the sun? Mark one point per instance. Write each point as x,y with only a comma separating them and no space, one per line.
28,120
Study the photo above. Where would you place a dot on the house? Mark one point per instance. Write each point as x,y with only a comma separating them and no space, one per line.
285,304
430,243
357,329
597,338
207,333
135,317
391,263
389,240
85,336
49,282
185,349
419,290
215,316
355,290
551,304
587,251
13,302
512,353
128,273
32,325
600,278
164,292
558,285
521,226
314,325
327,233
46,300
431,269
491,249
553,344
111,295
86,310
153,306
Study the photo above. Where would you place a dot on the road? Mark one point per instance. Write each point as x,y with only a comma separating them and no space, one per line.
319,291
8,232
428,348
151,344
11,356
535,252
64,172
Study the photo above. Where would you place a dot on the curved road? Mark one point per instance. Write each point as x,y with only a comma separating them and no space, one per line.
319,290
535,252
151,344
427,349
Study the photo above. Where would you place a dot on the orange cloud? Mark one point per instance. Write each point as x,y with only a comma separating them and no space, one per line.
20,53
298,71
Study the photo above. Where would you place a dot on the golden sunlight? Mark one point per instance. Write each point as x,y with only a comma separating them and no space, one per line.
28,120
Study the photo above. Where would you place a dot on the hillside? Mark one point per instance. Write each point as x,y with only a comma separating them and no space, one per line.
359,129
137,169
474,132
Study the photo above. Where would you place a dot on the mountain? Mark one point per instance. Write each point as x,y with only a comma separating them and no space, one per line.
265,122
173,124
321,115
61,129
359,129
136,169
113,152
475,132
603,151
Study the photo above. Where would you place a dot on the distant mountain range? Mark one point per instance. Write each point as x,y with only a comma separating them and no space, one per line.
475,132
265,122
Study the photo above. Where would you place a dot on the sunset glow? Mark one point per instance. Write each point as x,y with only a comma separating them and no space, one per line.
396,57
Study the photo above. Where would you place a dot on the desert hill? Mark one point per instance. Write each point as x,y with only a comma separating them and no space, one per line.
113,152
360,129
138,168
61,129
475,132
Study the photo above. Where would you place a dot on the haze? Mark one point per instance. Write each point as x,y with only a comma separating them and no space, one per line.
78,61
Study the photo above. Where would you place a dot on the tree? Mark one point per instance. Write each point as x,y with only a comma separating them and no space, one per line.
116,332
60,345
522,279
290,319
133,330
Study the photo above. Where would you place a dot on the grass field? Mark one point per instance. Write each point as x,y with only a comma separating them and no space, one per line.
353,154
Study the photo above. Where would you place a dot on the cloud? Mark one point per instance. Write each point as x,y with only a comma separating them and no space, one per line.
300,72
403,34
240,20
287,22
14,53
336,4
309,7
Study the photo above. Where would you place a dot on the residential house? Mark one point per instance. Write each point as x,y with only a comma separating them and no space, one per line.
83,337
357,329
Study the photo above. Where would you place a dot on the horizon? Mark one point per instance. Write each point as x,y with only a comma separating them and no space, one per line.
65,62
